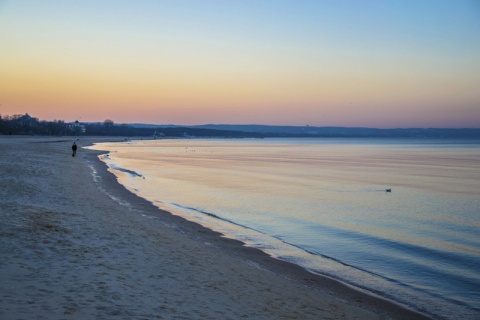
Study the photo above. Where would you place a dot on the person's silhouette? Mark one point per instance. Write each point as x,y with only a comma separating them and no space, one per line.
74,149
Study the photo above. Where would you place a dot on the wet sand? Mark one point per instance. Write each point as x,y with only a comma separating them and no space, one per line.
75,244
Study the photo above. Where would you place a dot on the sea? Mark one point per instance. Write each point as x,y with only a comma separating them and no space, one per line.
399,218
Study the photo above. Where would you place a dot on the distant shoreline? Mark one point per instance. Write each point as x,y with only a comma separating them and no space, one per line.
27,125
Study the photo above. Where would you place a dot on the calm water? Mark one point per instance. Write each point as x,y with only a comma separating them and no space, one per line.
321,203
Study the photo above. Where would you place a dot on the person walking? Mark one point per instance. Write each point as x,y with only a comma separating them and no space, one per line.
74,149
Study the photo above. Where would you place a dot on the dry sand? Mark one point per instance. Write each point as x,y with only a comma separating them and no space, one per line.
74,244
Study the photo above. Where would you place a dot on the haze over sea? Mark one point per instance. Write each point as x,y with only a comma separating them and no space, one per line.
322,204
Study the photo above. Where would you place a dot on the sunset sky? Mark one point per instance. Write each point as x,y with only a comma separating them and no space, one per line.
388,63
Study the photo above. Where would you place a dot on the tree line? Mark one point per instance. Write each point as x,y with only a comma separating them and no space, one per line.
27,125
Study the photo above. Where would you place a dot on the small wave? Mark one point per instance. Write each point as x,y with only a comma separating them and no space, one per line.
211,215
131,172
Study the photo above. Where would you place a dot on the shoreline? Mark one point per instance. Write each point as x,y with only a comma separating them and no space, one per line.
238,269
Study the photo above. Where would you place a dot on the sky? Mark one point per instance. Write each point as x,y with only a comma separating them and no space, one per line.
359,63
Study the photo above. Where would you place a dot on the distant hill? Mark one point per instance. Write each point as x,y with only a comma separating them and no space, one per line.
306,131
335,132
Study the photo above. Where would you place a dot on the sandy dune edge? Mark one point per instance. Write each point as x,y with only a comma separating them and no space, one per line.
74,244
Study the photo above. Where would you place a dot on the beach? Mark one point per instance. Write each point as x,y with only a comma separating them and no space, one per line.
75,244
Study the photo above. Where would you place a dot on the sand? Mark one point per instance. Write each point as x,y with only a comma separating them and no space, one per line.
74,244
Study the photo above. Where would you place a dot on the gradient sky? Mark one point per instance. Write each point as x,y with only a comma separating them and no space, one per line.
410,63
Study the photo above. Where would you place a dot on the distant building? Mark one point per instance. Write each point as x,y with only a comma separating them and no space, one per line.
157,135
76,127
24,124
27,120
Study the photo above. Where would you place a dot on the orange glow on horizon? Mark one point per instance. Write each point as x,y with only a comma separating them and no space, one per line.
159,72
